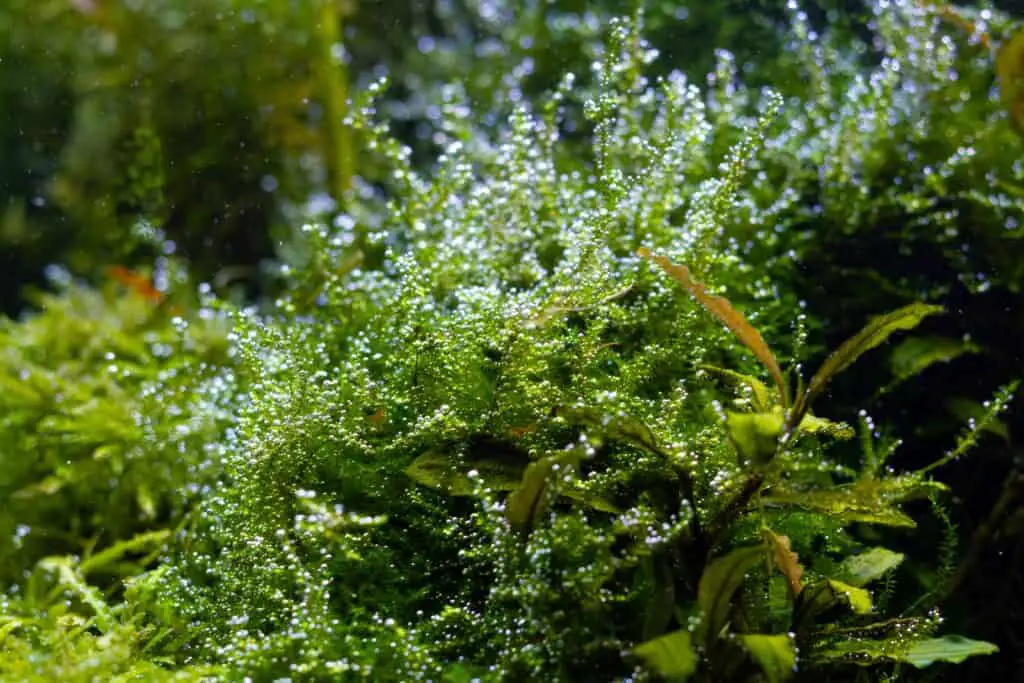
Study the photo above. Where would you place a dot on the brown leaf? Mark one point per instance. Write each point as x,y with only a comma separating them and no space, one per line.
786,560
725,312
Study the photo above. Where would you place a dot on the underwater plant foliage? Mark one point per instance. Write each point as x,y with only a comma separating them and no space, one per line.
540,419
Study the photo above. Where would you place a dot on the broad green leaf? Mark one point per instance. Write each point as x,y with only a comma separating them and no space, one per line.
722,309
776,655
821,596
616,427
915,354
870,501
670,655
755,436
761,396
526,504
874,334
663,599
953,649
891,647
499,466
721,579
860,570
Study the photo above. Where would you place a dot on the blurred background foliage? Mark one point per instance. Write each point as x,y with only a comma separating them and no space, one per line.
219,123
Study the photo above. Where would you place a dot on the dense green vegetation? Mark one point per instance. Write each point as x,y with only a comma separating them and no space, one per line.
539,369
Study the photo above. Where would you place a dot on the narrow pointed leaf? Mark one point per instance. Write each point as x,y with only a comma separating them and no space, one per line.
786,560
722,309
874,333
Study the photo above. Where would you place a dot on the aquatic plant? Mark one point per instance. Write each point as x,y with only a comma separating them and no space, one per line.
499,427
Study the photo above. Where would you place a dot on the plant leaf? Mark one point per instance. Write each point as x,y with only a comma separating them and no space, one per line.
616,427
893,648
876,332
776,655
915,354
870,501
951,648
670,655
500,466
760,394
755,436
527,503
722,309
663,600
721,579
821,596
786,560
873,563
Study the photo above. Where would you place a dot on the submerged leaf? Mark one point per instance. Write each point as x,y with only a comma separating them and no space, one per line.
875,333
953,649
862,569
721,579
498,465
775,654
755,436
786,560
761,396
914,355
821,596
670,655
920,653
616,427
870,501
726,313
527,502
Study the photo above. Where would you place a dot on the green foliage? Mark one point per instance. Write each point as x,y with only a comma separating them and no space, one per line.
473,439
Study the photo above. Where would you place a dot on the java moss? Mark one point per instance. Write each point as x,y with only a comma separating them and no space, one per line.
480,436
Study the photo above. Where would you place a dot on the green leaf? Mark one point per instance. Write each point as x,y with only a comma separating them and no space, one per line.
869,501
498,465
874,334
860,570
879,643
670,655
721,579
821,596
776,655
914,355
138,543
761,396
954,649
755,436
527,503
663,599
622,428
